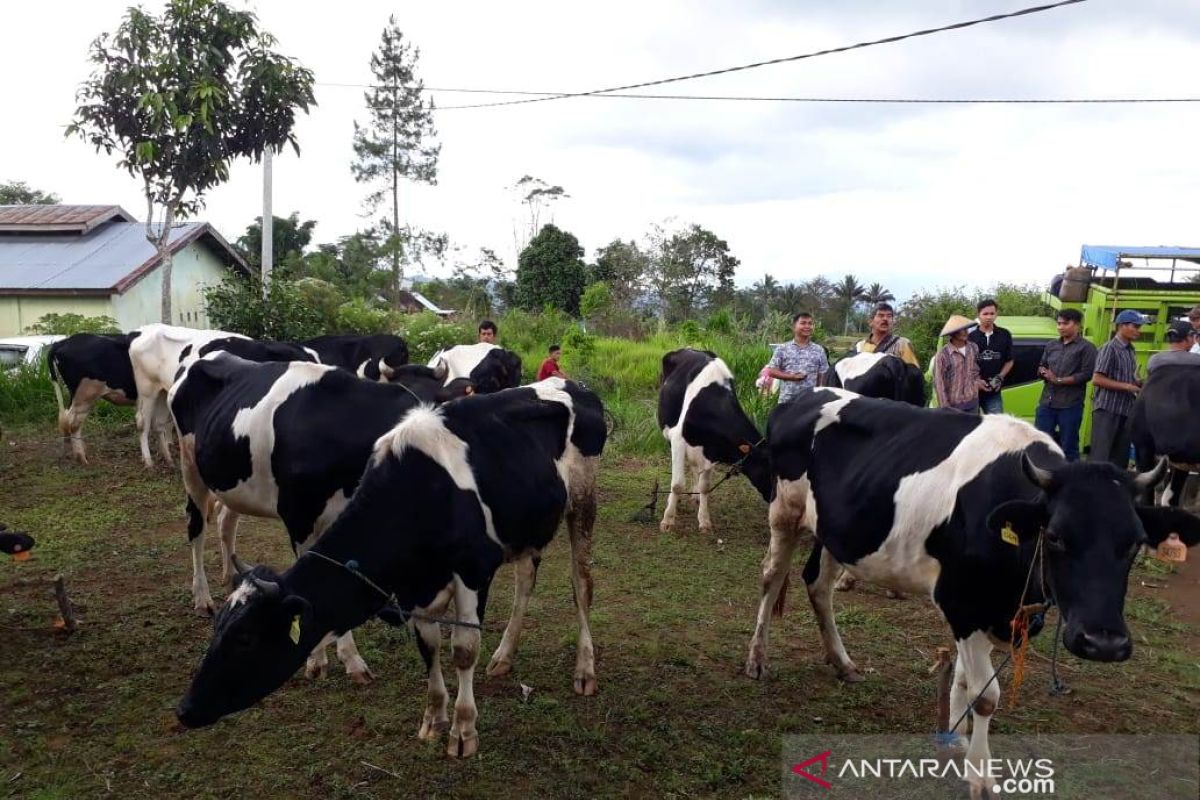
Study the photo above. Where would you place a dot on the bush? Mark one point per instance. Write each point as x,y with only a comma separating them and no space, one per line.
359,316
428,333
237,305
71,324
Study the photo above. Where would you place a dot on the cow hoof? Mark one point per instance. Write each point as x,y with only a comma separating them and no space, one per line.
844,583
499,667
585,685
362,677
851,675
462,746
756,669
205,608
666,527
433,730
314,671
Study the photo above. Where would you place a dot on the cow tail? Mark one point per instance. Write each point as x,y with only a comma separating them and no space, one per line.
777,609
56,379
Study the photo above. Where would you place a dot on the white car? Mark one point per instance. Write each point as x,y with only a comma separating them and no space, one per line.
28,350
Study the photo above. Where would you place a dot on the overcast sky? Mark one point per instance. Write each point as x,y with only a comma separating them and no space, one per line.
910,196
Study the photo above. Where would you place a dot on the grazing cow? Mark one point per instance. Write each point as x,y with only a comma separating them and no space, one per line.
284,440
700,416
370,357
93,367
879,375
155,354
1163,423
488,366
448,496
983,514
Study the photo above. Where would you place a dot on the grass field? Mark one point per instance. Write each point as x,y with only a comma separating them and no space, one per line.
90,715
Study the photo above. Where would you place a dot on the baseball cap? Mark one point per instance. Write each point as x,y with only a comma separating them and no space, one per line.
1179,331
1129,316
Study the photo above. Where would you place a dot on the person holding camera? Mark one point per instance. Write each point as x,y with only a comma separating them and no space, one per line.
995,357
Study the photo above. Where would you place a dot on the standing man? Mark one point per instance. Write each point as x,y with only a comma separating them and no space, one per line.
487,332
550,368
801,363
1067,365
1194,318
1116,389
881,338
956,368
1180,349
995,356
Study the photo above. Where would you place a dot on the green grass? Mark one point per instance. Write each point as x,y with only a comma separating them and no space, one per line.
89,715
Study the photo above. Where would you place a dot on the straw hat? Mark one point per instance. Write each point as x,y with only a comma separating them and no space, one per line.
956,323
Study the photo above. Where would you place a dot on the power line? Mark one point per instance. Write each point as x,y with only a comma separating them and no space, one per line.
829,51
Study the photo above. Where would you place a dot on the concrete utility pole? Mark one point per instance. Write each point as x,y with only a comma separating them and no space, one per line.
268,224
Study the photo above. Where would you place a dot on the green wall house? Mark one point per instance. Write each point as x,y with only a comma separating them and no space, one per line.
95,260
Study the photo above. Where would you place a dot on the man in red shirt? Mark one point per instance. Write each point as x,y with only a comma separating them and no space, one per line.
549,368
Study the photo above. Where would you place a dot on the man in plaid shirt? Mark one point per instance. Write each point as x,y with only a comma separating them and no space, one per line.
800,363
1116,389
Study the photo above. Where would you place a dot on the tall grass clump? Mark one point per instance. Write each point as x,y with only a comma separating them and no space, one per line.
27,396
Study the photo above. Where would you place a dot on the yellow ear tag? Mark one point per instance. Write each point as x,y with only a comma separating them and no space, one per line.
1009,535
294,633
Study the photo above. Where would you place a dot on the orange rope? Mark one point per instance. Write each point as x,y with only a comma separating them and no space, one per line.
1019,625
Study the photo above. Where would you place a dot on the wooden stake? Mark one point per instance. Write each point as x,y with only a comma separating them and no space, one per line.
65,608
944,669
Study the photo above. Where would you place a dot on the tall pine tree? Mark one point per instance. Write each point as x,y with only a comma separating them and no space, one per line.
397,141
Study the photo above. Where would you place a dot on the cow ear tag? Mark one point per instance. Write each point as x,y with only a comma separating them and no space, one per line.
744,448
1009,535
294,633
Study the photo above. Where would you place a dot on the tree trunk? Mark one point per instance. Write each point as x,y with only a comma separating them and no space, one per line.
396,276
161,241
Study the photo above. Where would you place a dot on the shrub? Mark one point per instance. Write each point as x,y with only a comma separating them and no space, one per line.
359,316
237,305
428,333
69,324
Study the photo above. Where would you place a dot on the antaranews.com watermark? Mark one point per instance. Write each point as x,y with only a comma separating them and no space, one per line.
1095,767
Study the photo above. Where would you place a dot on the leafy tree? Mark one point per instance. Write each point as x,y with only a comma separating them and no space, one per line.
690,270
623,266
875,293
285,312
537,196
848,293
289,237
18,193
596,301
70,324
396,142
180,96
550,271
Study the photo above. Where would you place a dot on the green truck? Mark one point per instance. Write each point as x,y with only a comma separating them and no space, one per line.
1153,280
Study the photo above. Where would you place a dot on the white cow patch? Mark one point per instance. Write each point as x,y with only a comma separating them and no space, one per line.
831,411
925,500
715,372
241,594
461,359
858,365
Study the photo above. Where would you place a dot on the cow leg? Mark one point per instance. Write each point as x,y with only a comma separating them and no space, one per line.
975,657
819,577
144,416
845,582
162,423
703,486
436,721
525,578
678,479
227,524
786,517
356,667
1173,493
202,600
317,663
581,518
70,420
464,646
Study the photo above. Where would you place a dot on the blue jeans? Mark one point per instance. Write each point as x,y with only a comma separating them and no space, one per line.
1063,426
991,403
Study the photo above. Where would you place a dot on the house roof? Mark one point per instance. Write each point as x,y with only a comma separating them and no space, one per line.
59,218
428,304
108,260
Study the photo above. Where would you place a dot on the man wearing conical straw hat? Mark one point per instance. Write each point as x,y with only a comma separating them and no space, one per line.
956,367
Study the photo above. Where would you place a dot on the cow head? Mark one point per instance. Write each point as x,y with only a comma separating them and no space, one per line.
1091,531
499,369
426,383
261,636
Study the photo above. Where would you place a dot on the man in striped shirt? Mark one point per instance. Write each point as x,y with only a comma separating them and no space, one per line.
956,368
1117,387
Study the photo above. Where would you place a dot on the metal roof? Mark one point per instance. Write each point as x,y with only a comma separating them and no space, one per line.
109,259
58,218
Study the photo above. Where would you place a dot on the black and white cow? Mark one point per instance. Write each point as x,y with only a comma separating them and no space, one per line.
369,357
489,367
93,367
700,416
955,506
287,440
448,496
155,355
1163,423
251,350
879,375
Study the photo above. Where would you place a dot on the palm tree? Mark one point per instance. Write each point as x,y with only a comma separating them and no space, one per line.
875,293
766,290
849,292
